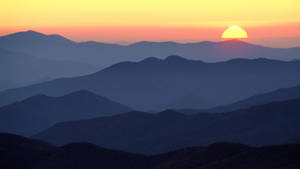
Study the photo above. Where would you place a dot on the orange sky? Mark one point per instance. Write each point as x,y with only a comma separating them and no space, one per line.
268,22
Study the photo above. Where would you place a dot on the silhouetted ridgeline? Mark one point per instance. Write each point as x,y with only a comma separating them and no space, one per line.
104,54
277,95
39,112
17,152
175,82
140,132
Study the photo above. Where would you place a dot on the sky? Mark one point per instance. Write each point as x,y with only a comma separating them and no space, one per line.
269,22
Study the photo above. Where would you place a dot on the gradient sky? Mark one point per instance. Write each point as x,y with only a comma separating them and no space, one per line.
268,22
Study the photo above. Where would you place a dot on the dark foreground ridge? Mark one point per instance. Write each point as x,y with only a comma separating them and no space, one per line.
18,152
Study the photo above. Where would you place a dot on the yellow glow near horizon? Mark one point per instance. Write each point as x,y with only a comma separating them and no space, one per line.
234,32
62,13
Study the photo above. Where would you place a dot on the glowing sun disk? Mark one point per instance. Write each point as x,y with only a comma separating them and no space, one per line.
234,32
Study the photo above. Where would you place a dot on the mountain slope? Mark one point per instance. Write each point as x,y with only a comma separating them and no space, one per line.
103,54
39,112
174,82
31,155
155,133
41,45
277,95
18,69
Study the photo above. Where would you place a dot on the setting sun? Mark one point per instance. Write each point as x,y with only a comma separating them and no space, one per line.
234,32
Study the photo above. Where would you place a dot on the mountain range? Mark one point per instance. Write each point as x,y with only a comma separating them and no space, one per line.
175,82
277,95
31,57
17,152
149,133
39,112
147,105
105,54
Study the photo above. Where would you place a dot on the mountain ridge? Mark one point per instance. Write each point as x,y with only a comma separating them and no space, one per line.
148,133
105,54
38,112
273,96
33,154
39,34
174,82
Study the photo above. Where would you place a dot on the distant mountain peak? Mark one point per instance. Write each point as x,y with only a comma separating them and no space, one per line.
171,58
32,32
144,43
28,33
234,41
238,42
34,35
150,60
175,57
76,94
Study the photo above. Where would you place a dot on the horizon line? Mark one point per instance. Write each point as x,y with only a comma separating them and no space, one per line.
145,41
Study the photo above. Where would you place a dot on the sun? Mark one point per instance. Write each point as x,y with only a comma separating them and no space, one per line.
234,32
